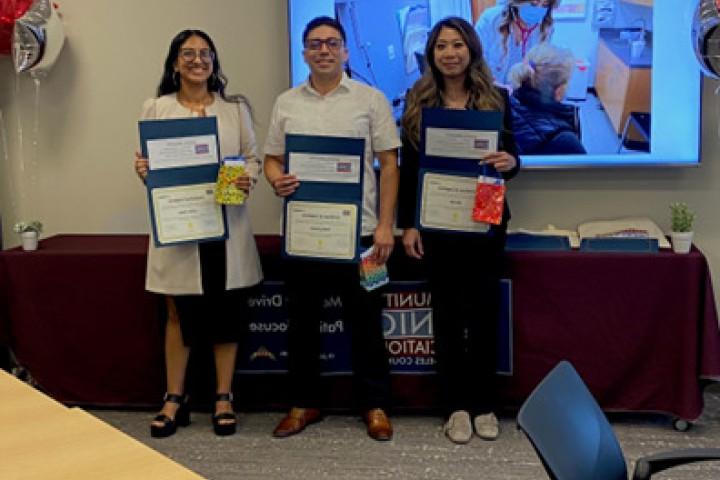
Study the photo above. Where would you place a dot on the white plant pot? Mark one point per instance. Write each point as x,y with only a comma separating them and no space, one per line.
29,240
681,241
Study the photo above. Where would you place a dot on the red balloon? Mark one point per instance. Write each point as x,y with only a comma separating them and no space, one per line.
10,10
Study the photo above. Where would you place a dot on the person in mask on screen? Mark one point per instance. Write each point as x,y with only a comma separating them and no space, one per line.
510,29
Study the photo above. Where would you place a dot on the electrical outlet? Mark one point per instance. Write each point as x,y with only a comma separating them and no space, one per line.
391,52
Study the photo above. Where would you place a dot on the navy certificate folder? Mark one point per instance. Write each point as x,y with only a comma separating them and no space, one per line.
320,192
443,118
619,245
183,175
527,242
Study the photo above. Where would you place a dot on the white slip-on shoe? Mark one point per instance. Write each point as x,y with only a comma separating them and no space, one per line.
458,427
487,426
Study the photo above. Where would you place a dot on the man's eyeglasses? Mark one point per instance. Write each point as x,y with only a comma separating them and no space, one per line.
190,54
333,44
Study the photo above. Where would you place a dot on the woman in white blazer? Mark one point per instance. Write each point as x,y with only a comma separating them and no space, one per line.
205,283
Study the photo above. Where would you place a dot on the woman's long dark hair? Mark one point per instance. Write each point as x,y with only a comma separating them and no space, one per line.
169,83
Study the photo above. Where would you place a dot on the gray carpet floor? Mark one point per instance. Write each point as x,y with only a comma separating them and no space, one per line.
338,448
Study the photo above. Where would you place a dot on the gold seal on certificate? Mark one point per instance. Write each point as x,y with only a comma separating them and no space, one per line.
447,203
321,230
187,213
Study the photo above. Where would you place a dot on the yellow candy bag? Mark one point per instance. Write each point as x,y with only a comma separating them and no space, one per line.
226,192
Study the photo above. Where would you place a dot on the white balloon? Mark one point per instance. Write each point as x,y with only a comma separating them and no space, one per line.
38,38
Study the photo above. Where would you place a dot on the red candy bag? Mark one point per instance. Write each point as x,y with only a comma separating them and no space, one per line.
489,200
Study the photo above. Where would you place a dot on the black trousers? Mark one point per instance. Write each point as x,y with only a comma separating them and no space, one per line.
308,284
464,277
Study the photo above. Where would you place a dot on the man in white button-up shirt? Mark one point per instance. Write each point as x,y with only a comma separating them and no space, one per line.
329,103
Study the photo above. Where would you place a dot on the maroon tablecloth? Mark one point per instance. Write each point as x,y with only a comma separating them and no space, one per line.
80,320
641,329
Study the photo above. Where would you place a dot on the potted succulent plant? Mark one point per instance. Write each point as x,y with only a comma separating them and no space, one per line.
681,227
29,232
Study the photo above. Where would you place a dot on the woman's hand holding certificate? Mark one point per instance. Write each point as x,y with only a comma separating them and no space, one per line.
501,161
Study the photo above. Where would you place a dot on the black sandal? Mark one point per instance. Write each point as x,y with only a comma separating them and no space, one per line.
169,425
229,428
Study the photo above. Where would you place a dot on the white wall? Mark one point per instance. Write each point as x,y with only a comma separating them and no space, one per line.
78,178
75,172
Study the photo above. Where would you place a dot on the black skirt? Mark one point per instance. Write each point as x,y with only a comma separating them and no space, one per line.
218,315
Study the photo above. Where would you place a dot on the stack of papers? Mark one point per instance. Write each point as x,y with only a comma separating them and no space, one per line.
630,227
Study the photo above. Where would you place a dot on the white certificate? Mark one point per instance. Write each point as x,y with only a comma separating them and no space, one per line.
457,143
187,213
447,203
182,151
316,167
322,230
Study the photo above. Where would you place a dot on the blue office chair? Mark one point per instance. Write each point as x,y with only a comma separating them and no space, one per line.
575,441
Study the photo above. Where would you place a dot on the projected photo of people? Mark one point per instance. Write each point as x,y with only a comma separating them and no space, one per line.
595,81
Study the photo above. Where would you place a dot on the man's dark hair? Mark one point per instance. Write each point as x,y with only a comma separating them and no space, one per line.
319,22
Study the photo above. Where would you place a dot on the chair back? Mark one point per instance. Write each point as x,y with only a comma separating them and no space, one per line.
570,433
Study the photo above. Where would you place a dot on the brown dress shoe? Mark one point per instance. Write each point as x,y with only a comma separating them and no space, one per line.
378,424
296,420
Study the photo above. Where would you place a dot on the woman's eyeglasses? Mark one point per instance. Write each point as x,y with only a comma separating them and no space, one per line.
190,54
